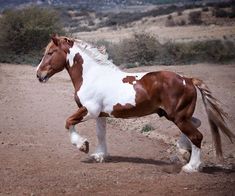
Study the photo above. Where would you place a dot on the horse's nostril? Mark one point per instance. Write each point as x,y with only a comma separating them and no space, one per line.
37,76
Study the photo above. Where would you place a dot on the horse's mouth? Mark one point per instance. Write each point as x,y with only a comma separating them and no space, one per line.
43,79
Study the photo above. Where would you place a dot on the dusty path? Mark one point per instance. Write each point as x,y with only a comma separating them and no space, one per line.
36,157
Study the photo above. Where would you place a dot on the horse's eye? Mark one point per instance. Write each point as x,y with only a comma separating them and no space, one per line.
49,53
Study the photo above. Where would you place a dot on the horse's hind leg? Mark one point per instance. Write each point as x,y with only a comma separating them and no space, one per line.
184,144
75,138
101,150
195,138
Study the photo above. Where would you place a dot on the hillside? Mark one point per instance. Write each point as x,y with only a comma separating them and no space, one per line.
177,31
93,4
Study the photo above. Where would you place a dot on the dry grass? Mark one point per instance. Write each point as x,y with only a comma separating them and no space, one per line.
211,28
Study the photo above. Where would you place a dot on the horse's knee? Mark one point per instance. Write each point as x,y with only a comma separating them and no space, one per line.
191,132
68,123
196,138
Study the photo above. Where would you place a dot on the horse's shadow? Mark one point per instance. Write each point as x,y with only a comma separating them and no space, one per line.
122,159
212,169
167,166
137,160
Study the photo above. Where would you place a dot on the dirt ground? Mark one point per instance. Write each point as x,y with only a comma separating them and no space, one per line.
37,158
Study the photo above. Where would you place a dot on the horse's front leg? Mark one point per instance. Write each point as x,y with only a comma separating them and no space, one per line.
75,138
101,150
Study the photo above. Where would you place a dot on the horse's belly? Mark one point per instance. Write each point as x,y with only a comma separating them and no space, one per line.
130,111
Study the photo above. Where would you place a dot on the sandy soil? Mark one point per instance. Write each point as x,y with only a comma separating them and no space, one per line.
36,157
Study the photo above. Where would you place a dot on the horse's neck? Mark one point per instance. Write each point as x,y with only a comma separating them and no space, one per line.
78,72
75,70
75,73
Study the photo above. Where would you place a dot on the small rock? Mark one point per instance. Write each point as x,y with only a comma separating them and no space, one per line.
174,159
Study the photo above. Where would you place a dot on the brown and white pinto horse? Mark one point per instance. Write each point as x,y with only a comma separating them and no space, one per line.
103,90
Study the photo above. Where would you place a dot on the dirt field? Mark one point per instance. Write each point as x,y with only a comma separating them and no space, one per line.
37,158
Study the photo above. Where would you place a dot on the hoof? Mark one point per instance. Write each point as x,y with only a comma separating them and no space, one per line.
98,157
189,169
85,147
184,154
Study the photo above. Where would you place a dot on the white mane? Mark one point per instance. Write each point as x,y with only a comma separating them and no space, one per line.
98,54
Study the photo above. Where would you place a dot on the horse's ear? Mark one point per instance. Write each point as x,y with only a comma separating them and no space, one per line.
55,39
69,41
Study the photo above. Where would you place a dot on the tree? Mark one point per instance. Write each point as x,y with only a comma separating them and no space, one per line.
26,30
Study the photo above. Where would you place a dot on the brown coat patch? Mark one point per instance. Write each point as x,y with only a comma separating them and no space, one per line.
75,73
129,79
156,92
78,59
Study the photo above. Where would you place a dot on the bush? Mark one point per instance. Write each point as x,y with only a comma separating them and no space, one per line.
147,128
181,23
144,49
199,51
141,48
169,17
220,13
195,18
170,22
179,13
205,9
27,30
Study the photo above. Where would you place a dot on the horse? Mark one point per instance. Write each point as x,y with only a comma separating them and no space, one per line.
103,90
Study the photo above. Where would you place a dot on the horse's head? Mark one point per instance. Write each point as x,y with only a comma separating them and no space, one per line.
54,59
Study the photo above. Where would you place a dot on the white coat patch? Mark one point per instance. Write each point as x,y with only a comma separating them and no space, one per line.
103,85
71,55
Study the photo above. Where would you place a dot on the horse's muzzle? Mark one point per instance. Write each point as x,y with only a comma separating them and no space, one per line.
42,79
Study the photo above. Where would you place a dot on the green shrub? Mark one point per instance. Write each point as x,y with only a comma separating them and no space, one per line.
144,49
169,21
201,51
179,13
141,48
26,31
205,9
147,128
169,17
181,22
220,13
195,18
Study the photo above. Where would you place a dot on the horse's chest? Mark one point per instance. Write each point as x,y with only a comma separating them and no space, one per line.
114,93
77,100
106,95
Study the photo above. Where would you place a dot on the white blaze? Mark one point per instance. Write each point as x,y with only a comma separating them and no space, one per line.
39,64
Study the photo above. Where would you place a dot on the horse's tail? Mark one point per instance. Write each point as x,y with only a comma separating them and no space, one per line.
216,117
